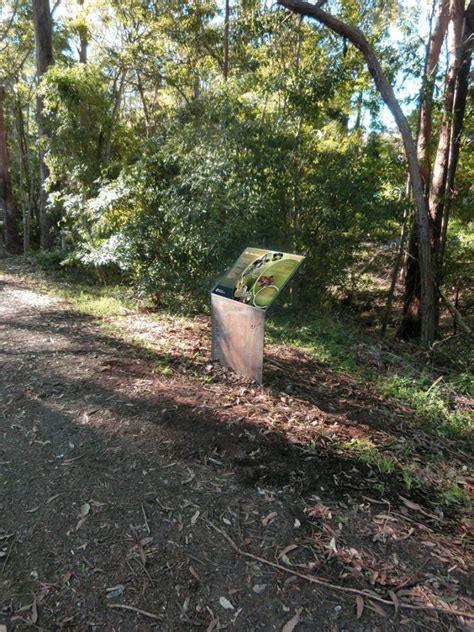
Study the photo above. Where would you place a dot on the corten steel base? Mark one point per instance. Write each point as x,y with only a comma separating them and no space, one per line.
237,336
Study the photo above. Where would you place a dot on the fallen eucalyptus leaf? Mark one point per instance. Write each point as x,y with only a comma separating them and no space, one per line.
375,606
34,611
142,554
211,627
287,549
85,509
266,521
292,623
115,591
394,598
225,603
81,522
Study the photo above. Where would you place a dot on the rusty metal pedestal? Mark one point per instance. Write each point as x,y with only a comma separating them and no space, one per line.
237,336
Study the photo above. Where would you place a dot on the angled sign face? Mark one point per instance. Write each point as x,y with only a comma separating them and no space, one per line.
258,276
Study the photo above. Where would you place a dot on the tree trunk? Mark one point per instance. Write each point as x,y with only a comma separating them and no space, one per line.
440,167
410,326
451,125
395,272
354,35
459,107
359,104
83,49
296,224
44,58
115,112
146,114
83,40
226,39
26,197
7,201
426,96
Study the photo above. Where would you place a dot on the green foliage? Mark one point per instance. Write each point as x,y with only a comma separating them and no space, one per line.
219,177
162,171
326,336
50,260
367,452
458,262
431,401
78,101
333,340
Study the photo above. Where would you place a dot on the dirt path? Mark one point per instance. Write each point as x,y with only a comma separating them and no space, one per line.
116,462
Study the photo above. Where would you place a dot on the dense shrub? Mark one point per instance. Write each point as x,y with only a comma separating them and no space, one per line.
220,177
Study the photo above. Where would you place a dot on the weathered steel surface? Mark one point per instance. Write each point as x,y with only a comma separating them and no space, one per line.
237,336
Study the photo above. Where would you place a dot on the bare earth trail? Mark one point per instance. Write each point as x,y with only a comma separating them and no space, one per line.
114,476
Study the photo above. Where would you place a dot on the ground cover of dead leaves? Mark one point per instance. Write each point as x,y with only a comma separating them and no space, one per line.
389,556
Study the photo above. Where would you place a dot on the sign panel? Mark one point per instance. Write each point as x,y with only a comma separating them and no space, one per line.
258,276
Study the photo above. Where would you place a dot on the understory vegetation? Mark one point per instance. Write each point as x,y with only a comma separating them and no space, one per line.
167,136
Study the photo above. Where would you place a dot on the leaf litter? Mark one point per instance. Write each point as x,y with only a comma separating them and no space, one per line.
249,462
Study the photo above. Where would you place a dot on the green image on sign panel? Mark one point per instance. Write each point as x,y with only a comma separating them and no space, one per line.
258,276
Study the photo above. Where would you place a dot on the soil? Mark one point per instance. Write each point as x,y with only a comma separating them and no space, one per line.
139,483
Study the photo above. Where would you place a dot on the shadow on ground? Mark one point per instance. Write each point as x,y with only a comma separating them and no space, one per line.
198,409
115,473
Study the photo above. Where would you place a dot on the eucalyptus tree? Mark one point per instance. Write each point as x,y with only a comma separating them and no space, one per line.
7,200
424,262
44,58
15,52
453,25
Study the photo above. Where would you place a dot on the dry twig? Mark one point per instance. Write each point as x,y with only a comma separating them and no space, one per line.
123,606
321,582
147,526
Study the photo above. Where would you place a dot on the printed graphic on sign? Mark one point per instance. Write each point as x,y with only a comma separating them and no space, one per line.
258,276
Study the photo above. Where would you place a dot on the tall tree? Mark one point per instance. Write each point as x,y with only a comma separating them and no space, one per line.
433,49
83,37
44,58
358,39
439,176
25,176
458,113
226,38
7,201
410,323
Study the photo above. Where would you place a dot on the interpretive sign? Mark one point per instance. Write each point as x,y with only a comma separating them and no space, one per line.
258,276
239,302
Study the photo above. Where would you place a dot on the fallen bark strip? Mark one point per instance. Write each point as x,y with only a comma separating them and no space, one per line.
321,582
123,606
